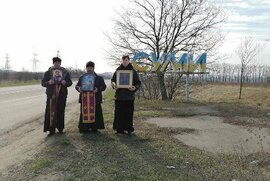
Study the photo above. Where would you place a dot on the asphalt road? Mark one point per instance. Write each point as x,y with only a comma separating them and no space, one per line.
23,104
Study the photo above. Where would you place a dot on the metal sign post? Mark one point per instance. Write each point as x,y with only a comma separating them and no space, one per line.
187,87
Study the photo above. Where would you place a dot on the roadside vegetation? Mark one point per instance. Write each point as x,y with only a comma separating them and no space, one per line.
18,83
151,153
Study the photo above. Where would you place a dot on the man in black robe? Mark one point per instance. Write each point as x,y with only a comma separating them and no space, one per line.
56,80
124,99
99,86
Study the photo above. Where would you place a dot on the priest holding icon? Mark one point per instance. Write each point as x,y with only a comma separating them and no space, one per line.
90,86
56,80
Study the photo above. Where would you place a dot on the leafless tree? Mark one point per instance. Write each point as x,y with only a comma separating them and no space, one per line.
166,26
247,50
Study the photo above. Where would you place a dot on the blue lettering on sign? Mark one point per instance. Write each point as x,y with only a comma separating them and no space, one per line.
161,63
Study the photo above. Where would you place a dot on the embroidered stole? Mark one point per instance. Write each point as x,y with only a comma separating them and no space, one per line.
53,105
88,107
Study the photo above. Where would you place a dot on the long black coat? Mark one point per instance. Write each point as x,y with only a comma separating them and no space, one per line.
99,121
61,103
124,93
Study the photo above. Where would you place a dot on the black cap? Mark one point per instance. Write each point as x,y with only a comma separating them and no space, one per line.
90,64
56,59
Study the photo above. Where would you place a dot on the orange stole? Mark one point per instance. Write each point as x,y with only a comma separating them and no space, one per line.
53,105
88,107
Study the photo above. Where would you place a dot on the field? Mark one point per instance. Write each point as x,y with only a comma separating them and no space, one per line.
152,153
253,95
18,83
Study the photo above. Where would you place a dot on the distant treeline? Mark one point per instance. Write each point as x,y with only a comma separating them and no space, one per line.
230,73
27,76
221,73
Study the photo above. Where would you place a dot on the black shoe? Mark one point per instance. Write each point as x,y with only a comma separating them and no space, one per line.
129,133
83,131
60,131
51,133
94,130
120,132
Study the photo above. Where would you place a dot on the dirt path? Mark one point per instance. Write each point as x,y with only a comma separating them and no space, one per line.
22,143
212,135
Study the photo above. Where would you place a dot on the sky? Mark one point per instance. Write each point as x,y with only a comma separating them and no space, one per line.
246,18
76,28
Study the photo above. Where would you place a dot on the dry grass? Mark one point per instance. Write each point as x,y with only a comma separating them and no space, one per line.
149,153
222,93
18,83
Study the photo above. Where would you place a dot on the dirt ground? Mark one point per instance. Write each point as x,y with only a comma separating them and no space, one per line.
213,135
24,142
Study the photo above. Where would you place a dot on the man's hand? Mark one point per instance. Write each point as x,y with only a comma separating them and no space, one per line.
78,88
95,90
114,85
132,88
50,82
63,82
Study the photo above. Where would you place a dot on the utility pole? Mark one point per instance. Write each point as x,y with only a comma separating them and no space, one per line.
35,61
7,63
187,86
58,53
76,66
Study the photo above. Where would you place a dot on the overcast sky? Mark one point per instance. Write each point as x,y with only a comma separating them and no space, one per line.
246,18
76,27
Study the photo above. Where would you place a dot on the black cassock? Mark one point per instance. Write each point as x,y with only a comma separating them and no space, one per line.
100,85
124,102
59,100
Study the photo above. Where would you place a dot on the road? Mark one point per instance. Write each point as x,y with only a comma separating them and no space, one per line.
21,118
23,104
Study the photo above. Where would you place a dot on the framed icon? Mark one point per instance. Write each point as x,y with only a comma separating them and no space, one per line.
124,78
57,76
88,81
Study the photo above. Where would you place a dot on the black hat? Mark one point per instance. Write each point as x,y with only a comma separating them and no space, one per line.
90,64
56,59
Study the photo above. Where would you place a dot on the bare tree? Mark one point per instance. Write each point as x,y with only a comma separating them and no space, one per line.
247,50
166,26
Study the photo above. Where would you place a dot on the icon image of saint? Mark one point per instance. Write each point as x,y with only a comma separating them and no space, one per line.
57,76
124,78
88,82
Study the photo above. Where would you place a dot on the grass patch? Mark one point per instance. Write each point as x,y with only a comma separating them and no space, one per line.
41,164
109,95
19,83
64,142
70,179
22,83
148,114
143,104
175,131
